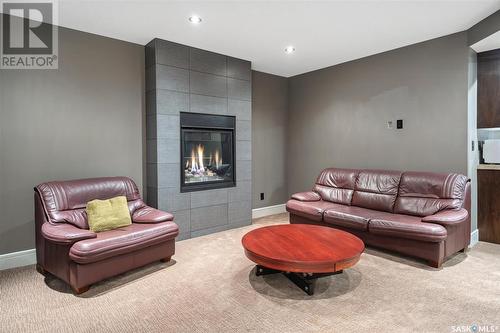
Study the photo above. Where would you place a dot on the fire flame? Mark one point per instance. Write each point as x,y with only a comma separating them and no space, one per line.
197,164
218,161
200,150
193,161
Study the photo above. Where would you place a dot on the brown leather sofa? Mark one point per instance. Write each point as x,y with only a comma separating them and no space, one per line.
420,214
66,248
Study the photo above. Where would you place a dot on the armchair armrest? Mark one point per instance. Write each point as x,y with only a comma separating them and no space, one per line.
448,217
148,214
64,233
306,196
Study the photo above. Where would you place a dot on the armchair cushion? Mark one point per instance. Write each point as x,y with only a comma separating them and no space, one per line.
148,214
306,196
76,217
64,233
447,217
119,241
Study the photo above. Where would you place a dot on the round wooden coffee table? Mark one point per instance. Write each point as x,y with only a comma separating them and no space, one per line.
302,252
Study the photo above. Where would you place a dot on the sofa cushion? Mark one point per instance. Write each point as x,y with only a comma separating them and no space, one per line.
426,193
336,185
376,189
405,226
123,240
352,217
312,210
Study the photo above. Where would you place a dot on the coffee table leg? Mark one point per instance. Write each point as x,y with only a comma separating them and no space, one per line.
305,283
261,270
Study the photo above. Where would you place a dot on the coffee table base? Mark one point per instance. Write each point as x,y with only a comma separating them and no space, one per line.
305,281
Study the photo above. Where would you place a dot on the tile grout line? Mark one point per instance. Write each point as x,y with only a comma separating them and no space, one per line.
201,72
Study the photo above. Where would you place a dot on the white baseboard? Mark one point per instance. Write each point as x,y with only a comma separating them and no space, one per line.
269,210
17,259
474,237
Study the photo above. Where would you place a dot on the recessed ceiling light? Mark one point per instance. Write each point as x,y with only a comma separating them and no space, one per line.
195,19
289,49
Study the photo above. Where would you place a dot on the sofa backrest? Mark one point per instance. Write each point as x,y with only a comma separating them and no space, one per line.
336,185
426,193
65,201
409,193
376,189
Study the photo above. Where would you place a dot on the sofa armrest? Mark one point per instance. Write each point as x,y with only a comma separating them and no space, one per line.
65,233
306,196
448,217
148,214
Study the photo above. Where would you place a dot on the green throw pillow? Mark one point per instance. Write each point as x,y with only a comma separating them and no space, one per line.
108,214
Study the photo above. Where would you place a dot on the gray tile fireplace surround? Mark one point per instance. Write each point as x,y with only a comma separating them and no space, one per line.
185,79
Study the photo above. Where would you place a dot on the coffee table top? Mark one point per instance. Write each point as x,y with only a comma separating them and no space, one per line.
302,248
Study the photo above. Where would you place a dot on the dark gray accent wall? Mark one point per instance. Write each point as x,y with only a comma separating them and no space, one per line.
338,115
83,120
269,132
484,28
185,79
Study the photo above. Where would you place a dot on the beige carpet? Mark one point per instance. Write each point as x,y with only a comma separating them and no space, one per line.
211,287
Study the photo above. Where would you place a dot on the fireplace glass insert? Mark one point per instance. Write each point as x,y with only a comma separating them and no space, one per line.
207,151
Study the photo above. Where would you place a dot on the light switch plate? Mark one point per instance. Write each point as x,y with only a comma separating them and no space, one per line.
399,124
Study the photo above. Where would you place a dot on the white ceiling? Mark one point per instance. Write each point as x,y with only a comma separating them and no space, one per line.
491,42
324,33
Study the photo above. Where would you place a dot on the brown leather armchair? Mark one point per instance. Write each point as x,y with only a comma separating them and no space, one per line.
421,214
66,248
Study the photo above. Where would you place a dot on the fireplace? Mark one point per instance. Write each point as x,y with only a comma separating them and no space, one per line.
207,151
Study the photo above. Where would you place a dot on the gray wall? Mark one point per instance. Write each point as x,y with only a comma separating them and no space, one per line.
86,120
338,115
83,120
269,132
484,28
185,79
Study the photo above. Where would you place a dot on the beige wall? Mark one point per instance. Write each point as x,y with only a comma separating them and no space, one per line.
83,120
338,115
269,126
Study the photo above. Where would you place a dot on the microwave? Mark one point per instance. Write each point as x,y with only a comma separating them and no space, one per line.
491,151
